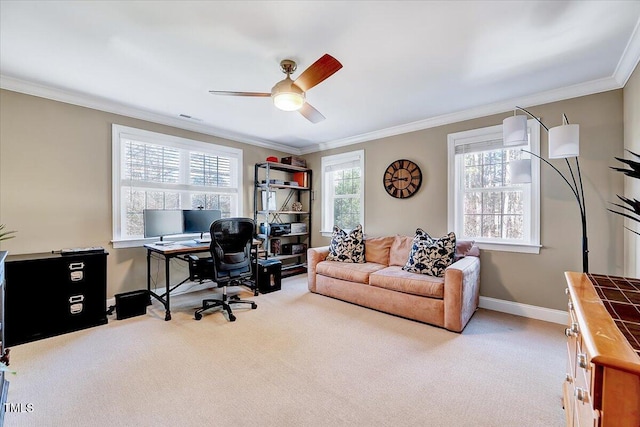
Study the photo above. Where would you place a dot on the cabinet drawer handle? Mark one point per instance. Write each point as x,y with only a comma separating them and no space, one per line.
568,378
582,395
76,266
570,305
582,360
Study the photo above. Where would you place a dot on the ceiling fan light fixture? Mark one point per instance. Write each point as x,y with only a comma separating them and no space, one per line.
287,96
288,101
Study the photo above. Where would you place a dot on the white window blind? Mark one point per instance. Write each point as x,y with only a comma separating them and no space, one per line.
156,171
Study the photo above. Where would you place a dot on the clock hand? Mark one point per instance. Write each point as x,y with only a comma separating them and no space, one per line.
399,179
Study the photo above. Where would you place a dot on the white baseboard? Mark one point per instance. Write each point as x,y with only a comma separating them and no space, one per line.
525,310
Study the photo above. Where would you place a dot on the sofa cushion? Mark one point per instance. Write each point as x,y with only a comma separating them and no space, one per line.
376,249
352,272
463,248
430,256
347,247
396,279
400,250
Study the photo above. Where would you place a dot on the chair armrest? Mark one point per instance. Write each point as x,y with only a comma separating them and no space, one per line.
461,292
314,256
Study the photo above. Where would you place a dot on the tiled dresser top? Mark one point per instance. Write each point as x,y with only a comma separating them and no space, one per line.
621,297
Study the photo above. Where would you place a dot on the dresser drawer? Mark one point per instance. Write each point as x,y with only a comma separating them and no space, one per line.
605,391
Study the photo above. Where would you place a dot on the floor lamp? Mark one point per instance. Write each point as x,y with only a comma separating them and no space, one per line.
564,143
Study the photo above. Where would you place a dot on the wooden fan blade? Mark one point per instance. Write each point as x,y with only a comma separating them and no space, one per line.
318,72
310,113
228,93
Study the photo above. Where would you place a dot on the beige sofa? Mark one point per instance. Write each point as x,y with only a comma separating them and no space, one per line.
381,283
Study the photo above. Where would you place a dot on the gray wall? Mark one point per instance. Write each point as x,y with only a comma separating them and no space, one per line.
631,95
55,189
525,278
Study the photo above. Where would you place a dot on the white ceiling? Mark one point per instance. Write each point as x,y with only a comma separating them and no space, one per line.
407,65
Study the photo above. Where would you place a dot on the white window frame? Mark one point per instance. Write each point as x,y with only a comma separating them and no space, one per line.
121,133
531,243
328,188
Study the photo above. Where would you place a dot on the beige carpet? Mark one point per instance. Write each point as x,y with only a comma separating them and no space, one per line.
299,359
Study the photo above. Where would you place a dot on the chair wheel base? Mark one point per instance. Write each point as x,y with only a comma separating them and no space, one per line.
197,316
254,306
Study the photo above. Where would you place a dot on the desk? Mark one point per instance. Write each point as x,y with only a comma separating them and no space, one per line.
175,250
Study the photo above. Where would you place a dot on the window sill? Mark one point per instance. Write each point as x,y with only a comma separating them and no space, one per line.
509,247
137,243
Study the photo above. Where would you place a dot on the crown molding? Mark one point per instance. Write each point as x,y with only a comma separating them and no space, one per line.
625,68
589,88
630,58
101,104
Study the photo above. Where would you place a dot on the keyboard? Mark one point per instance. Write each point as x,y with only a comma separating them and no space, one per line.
76,251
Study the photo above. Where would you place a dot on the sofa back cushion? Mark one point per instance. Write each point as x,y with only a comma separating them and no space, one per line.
400,250
376,249
463,248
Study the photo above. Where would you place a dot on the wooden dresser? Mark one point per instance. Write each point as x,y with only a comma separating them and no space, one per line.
602,385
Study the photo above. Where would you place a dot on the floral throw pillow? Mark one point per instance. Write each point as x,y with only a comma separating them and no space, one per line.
347,247
431,256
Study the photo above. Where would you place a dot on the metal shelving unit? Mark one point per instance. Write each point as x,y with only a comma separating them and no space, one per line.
277,178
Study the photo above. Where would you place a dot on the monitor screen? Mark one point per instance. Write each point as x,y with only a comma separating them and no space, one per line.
162,222
199,220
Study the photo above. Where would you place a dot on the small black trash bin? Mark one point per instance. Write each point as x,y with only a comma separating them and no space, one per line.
269,275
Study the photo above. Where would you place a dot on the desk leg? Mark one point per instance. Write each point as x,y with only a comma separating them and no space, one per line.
167,315
149,271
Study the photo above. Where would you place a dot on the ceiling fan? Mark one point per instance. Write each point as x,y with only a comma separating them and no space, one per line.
289,95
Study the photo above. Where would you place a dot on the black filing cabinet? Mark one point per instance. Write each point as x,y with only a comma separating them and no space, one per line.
51,294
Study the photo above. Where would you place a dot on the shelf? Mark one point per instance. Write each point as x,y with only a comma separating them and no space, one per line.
264,236
281,257
291,187
263,182
284,212
282,167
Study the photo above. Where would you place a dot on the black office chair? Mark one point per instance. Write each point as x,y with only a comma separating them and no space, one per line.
229,264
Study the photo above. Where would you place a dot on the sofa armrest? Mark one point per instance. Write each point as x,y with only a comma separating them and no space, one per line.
314,256
461,292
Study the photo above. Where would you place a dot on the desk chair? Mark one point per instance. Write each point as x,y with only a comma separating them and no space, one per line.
229,264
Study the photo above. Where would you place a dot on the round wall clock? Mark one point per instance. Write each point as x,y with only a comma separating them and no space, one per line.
402,179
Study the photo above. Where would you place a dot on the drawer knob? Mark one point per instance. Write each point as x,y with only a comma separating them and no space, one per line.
582,360
581,394
566,291
572,331
568,378
570,305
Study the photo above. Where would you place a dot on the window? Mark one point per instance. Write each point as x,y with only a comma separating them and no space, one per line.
342,190
483,203
156,171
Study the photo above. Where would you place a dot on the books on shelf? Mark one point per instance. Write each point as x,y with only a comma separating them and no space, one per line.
301,178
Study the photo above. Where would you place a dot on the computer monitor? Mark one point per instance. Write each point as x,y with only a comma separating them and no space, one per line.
199,220
162,222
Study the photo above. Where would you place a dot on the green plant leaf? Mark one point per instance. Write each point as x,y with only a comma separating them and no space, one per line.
5,235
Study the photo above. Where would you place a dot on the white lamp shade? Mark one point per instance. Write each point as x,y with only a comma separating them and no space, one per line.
564,141
520,171
514,130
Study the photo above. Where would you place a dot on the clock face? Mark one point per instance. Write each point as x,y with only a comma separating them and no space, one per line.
402,179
